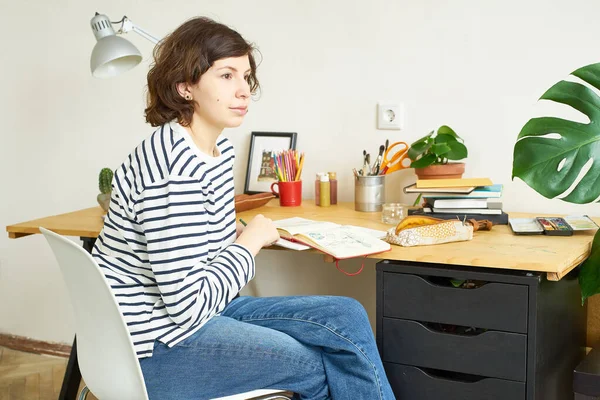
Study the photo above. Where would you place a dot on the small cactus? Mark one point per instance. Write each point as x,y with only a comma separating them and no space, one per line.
105,185
105,180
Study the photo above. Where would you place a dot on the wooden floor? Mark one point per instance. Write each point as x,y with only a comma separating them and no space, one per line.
30,376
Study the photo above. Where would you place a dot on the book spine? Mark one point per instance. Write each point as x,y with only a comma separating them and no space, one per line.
498,219
477,211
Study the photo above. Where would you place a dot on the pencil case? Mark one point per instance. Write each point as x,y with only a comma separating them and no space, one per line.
442,232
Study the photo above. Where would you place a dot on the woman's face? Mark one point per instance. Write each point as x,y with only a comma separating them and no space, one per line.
222,94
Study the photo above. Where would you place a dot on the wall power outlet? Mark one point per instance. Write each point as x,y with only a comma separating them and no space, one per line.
390,116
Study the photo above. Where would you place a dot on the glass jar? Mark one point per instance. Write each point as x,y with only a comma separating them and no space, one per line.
392,213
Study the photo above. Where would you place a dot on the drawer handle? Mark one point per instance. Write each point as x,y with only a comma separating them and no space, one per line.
450,375
455,283
458,330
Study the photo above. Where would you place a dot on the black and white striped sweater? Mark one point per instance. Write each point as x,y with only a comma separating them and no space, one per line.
167,244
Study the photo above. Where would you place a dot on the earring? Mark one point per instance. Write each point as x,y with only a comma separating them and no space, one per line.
188,97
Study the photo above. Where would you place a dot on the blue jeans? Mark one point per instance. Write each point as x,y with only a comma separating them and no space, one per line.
319,347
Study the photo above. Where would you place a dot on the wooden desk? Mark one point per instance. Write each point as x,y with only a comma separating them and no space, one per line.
499,248
555,256
83,223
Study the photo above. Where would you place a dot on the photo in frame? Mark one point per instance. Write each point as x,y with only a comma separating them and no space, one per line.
261,169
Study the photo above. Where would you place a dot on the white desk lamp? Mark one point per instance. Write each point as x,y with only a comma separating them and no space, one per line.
112,54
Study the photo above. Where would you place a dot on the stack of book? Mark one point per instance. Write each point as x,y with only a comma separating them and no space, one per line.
468,198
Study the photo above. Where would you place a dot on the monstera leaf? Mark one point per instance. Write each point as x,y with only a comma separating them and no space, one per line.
589,276
552,155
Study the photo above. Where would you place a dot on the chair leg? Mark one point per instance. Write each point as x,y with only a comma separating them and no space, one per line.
84,393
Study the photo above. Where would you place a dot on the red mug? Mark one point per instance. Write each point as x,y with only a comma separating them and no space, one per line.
290,193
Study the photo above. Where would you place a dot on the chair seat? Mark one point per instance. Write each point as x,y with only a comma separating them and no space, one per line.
261,393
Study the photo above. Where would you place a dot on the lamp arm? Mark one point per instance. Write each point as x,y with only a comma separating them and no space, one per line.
130,26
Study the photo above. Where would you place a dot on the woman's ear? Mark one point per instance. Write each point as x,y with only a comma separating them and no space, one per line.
184,90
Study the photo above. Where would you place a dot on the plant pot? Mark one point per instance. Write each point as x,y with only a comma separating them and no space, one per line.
442,171
104,201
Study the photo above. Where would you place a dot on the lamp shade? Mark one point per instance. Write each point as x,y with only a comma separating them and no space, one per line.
112,54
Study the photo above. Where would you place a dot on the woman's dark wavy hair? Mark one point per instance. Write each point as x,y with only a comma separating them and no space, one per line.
183,56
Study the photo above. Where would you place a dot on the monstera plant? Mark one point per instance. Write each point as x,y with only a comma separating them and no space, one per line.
551,153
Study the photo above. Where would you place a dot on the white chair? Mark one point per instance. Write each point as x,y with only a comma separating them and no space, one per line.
107,360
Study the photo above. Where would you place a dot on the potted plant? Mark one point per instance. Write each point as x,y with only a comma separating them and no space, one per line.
551,153
431,154
105,186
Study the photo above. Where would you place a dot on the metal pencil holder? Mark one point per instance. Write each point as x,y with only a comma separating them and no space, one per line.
369,193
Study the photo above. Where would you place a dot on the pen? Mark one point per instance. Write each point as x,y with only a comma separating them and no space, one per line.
243,222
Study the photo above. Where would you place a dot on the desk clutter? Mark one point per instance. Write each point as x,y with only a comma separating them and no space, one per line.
465,198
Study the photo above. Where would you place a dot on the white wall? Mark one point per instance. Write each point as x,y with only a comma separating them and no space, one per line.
478,66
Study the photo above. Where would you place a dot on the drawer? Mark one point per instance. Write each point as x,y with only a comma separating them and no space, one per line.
498,306
490,353
415,384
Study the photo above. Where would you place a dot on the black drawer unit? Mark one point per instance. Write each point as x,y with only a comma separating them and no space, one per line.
491,353
510,335
413,383
414,297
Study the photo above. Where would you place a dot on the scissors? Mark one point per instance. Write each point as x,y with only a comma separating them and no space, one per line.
394,160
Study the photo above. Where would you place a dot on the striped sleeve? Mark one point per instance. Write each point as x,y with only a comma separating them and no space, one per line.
195,291
185,222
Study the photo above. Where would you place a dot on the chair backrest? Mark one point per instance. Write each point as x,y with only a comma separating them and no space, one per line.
105,352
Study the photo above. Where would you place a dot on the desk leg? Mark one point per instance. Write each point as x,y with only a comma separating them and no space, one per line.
72,377
88,243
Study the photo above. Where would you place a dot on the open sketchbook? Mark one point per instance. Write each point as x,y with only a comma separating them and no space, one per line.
339,241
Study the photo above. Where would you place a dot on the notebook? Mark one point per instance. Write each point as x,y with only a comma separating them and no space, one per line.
339,241
439,191
481,192
480,211
466,203
500,219
449,183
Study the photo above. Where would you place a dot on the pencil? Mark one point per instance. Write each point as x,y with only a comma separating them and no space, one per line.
243,222
299,172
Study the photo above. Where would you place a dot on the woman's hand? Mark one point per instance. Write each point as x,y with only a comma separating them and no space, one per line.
239,228
260,232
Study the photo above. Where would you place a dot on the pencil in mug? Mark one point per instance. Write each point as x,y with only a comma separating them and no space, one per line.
288,165
301,164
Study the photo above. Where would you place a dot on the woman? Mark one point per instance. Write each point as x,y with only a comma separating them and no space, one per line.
176,259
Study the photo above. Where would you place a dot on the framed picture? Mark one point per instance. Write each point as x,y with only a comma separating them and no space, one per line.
261,170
